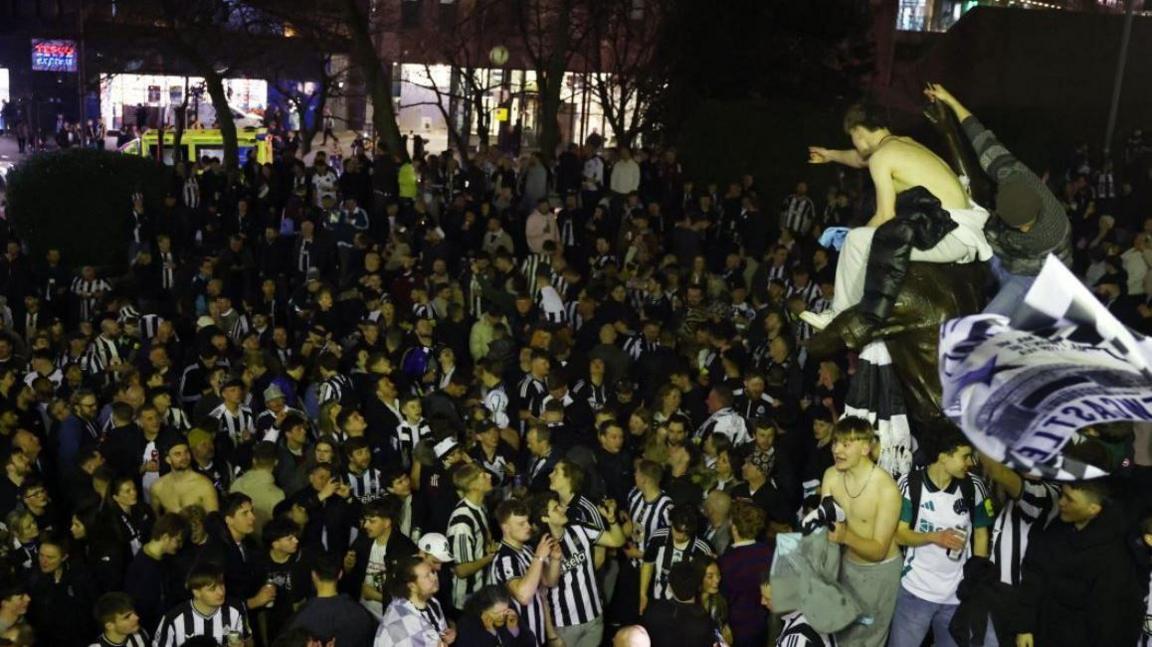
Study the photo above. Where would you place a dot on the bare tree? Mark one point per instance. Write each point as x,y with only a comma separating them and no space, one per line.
626,77
552,32
464,44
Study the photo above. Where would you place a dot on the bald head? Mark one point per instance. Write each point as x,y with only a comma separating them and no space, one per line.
632,636
718,505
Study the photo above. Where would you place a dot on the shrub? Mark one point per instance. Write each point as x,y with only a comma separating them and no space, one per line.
79,201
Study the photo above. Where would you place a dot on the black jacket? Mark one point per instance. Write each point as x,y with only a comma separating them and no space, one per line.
471,632
1080,587
397,548
675,623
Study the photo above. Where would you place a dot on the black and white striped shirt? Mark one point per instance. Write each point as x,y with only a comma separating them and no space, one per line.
177,420
405,438
647,516
334,388
167,270
582,511
575,599
138,639
663,553
799,214
778,272
102,354
366,486
184,622
532,393
572,315
513,563
84,291
810,293
235,424
423,311
468,534
1015,523
304,255
595,394
636,346
191,192
529,266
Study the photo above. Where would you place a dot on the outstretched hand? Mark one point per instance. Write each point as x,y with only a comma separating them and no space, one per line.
819,155
937,92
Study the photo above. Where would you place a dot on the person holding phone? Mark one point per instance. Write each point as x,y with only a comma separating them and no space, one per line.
489,619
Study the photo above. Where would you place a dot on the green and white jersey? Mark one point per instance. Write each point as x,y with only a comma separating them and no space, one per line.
928,572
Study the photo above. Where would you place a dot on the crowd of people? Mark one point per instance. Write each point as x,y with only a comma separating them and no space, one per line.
493,401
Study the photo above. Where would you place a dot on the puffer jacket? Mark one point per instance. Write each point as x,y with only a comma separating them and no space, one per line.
921,222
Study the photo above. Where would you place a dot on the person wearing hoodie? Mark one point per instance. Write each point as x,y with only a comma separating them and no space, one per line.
1079,582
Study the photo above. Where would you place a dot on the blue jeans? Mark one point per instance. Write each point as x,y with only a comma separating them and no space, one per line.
914,617
1012,289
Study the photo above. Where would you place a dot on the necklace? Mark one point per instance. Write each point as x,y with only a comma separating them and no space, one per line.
844,477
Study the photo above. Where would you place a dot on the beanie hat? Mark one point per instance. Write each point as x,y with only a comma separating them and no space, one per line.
1017,202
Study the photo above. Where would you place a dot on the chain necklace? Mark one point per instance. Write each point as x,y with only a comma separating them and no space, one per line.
844,477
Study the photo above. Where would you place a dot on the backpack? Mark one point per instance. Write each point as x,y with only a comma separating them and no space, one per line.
915,490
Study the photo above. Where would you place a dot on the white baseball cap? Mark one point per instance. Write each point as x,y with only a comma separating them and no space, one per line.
436,545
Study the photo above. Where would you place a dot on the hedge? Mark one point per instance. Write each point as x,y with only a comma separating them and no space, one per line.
79,201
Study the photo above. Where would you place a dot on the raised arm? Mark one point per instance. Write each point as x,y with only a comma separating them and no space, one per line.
1005,477
994,158
524,588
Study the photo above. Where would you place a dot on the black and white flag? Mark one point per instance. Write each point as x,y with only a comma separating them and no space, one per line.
1021,387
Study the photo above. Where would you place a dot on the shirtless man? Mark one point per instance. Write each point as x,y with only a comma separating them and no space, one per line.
871,501
896,164
182,487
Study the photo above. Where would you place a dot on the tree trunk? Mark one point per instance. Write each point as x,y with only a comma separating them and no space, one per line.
483,120
181,124
550,84
224,119
377,77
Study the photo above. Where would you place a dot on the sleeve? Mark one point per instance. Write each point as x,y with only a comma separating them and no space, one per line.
905,501
502,570
590,533
1036,499
164,636
984,515
653,547
994,158
462,541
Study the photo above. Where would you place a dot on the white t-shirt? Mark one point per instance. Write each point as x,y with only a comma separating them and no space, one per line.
928,572
374,576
